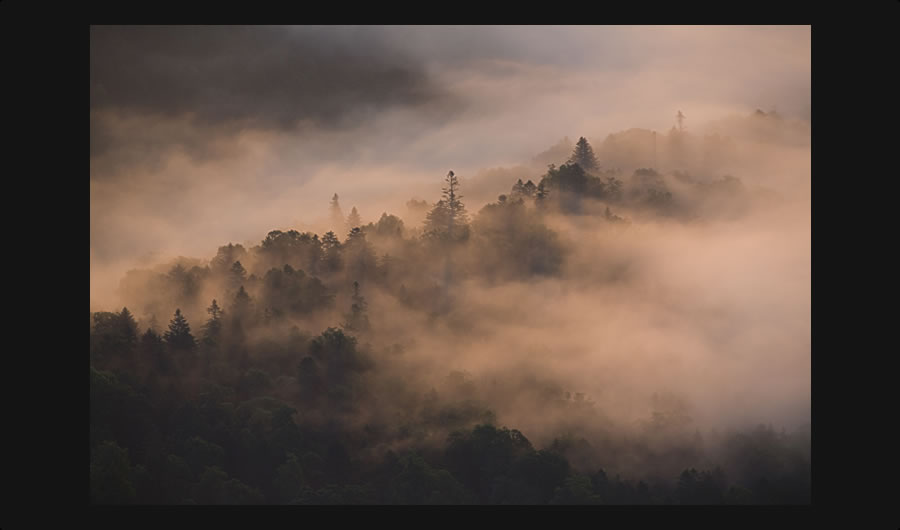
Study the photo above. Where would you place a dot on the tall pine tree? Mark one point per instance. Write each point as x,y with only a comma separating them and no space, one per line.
337,216
353,220
212,330
179,336
357,320
584,155
448,219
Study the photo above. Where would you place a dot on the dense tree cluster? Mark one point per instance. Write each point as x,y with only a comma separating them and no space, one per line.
245,408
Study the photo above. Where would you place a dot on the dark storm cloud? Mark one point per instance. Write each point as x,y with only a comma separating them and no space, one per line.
234,78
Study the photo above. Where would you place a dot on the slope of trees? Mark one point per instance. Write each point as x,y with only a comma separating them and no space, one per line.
272,383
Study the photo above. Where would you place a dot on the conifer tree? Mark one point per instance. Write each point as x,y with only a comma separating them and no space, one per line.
331,252
153,351
584,155
128,329
353,220
179,335
212,330
236,275
448,218
357,320
337,216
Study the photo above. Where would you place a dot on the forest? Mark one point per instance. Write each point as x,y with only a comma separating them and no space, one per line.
419,357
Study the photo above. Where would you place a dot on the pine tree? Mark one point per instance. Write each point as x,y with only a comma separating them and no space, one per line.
360,258
529,189
541,195
337,216
353,220
241,307
584,155
179,335
128,329
518,190
456,208
212,330
331,255
237,275
153,352
357,320
448,218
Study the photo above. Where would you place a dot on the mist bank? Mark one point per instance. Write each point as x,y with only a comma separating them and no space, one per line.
450,265
655,285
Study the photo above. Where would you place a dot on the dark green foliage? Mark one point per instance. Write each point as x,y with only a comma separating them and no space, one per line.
417,482
290,480
200,454
153,353
576,489
114,337
215,487
309,378
480,457
118,412
111,475
701,487
254,383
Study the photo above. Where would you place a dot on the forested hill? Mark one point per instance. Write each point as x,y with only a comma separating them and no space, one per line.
325,368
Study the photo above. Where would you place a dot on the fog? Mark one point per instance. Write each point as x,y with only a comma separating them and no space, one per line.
695,309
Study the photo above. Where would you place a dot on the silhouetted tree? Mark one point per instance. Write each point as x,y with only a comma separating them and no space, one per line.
153,352
389,226
584,155
359,257
529,189
357,319
337,216
226,256
331,252
212,330
237,275
518,190
448,218
541,195
111,475
179,336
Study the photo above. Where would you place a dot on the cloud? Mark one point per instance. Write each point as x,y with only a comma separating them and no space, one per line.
211,80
